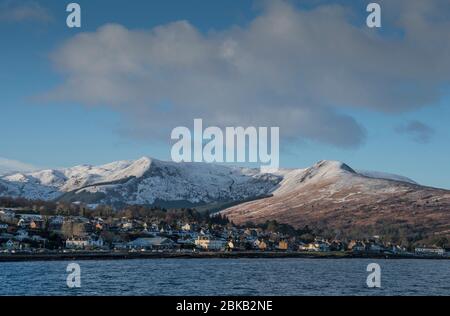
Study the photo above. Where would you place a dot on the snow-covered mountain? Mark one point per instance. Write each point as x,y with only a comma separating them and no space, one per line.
332,195
155,182
144,181
329,194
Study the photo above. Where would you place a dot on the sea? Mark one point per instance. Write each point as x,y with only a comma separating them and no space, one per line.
217,277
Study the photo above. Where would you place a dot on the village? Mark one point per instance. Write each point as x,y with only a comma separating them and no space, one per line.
23,231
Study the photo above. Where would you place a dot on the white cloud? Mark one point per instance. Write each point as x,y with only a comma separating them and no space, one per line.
18,11
8,165
297,69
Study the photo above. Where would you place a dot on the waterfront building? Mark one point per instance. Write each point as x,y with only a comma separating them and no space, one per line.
435,251
208,243
155,243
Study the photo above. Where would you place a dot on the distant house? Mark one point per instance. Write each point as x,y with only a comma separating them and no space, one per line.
12,245
32,221
283,245
186,227
397,249
56,220
231,245
375,248
77,226
30,217
36,224
251,232
84,243
357,246
38,238
126,225
261,244
167,230
55,223
77,243
209,243
7,215
317,246
435,251
9,243
337,245
157,243
21,235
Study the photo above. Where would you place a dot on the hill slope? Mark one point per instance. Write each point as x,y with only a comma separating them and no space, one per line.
332,195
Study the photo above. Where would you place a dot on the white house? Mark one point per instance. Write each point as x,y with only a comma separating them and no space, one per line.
430,251
83,243
7,215
31,217
151,243
209,243
186,227
315,246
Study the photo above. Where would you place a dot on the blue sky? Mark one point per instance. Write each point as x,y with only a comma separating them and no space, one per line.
397,135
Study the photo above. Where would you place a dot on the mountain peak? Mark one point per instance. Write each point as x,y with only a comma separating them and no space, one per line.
146,180
333,165
144,159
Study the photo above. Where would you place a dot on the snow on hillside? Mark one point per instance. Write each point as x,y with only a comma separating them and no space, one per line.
191,182
143,182
384,175
147,181
296,178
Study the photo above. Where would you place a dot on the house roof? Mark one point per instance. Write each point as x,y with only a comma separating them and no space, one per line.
146,242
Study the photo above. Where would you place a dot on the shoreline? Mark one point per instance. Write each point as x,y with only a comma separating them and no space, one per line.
83,256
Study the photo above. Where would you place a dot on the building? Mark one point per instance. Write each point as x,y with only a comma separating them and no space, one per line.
283,245
209,243
7,215
260,244
357,246
186,227
77,226
317,246
10,244
155,243
55,223
4,226
30,217
430,251
84,243
376,248
21,234
231,245
31,221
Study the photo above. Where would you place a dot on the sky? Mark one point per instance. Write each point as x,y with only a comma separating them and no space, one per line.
376,99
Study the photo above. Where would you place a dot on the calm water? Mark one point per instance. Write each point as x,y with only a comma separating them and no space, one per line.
227,277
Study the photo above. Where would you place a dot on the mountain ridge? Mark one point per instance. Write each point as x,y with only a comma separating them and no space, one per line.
145,180
332,195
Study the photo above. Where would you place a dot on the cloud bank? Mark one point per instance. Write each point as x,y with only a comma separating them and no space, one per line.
8,165
301,70
20,11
